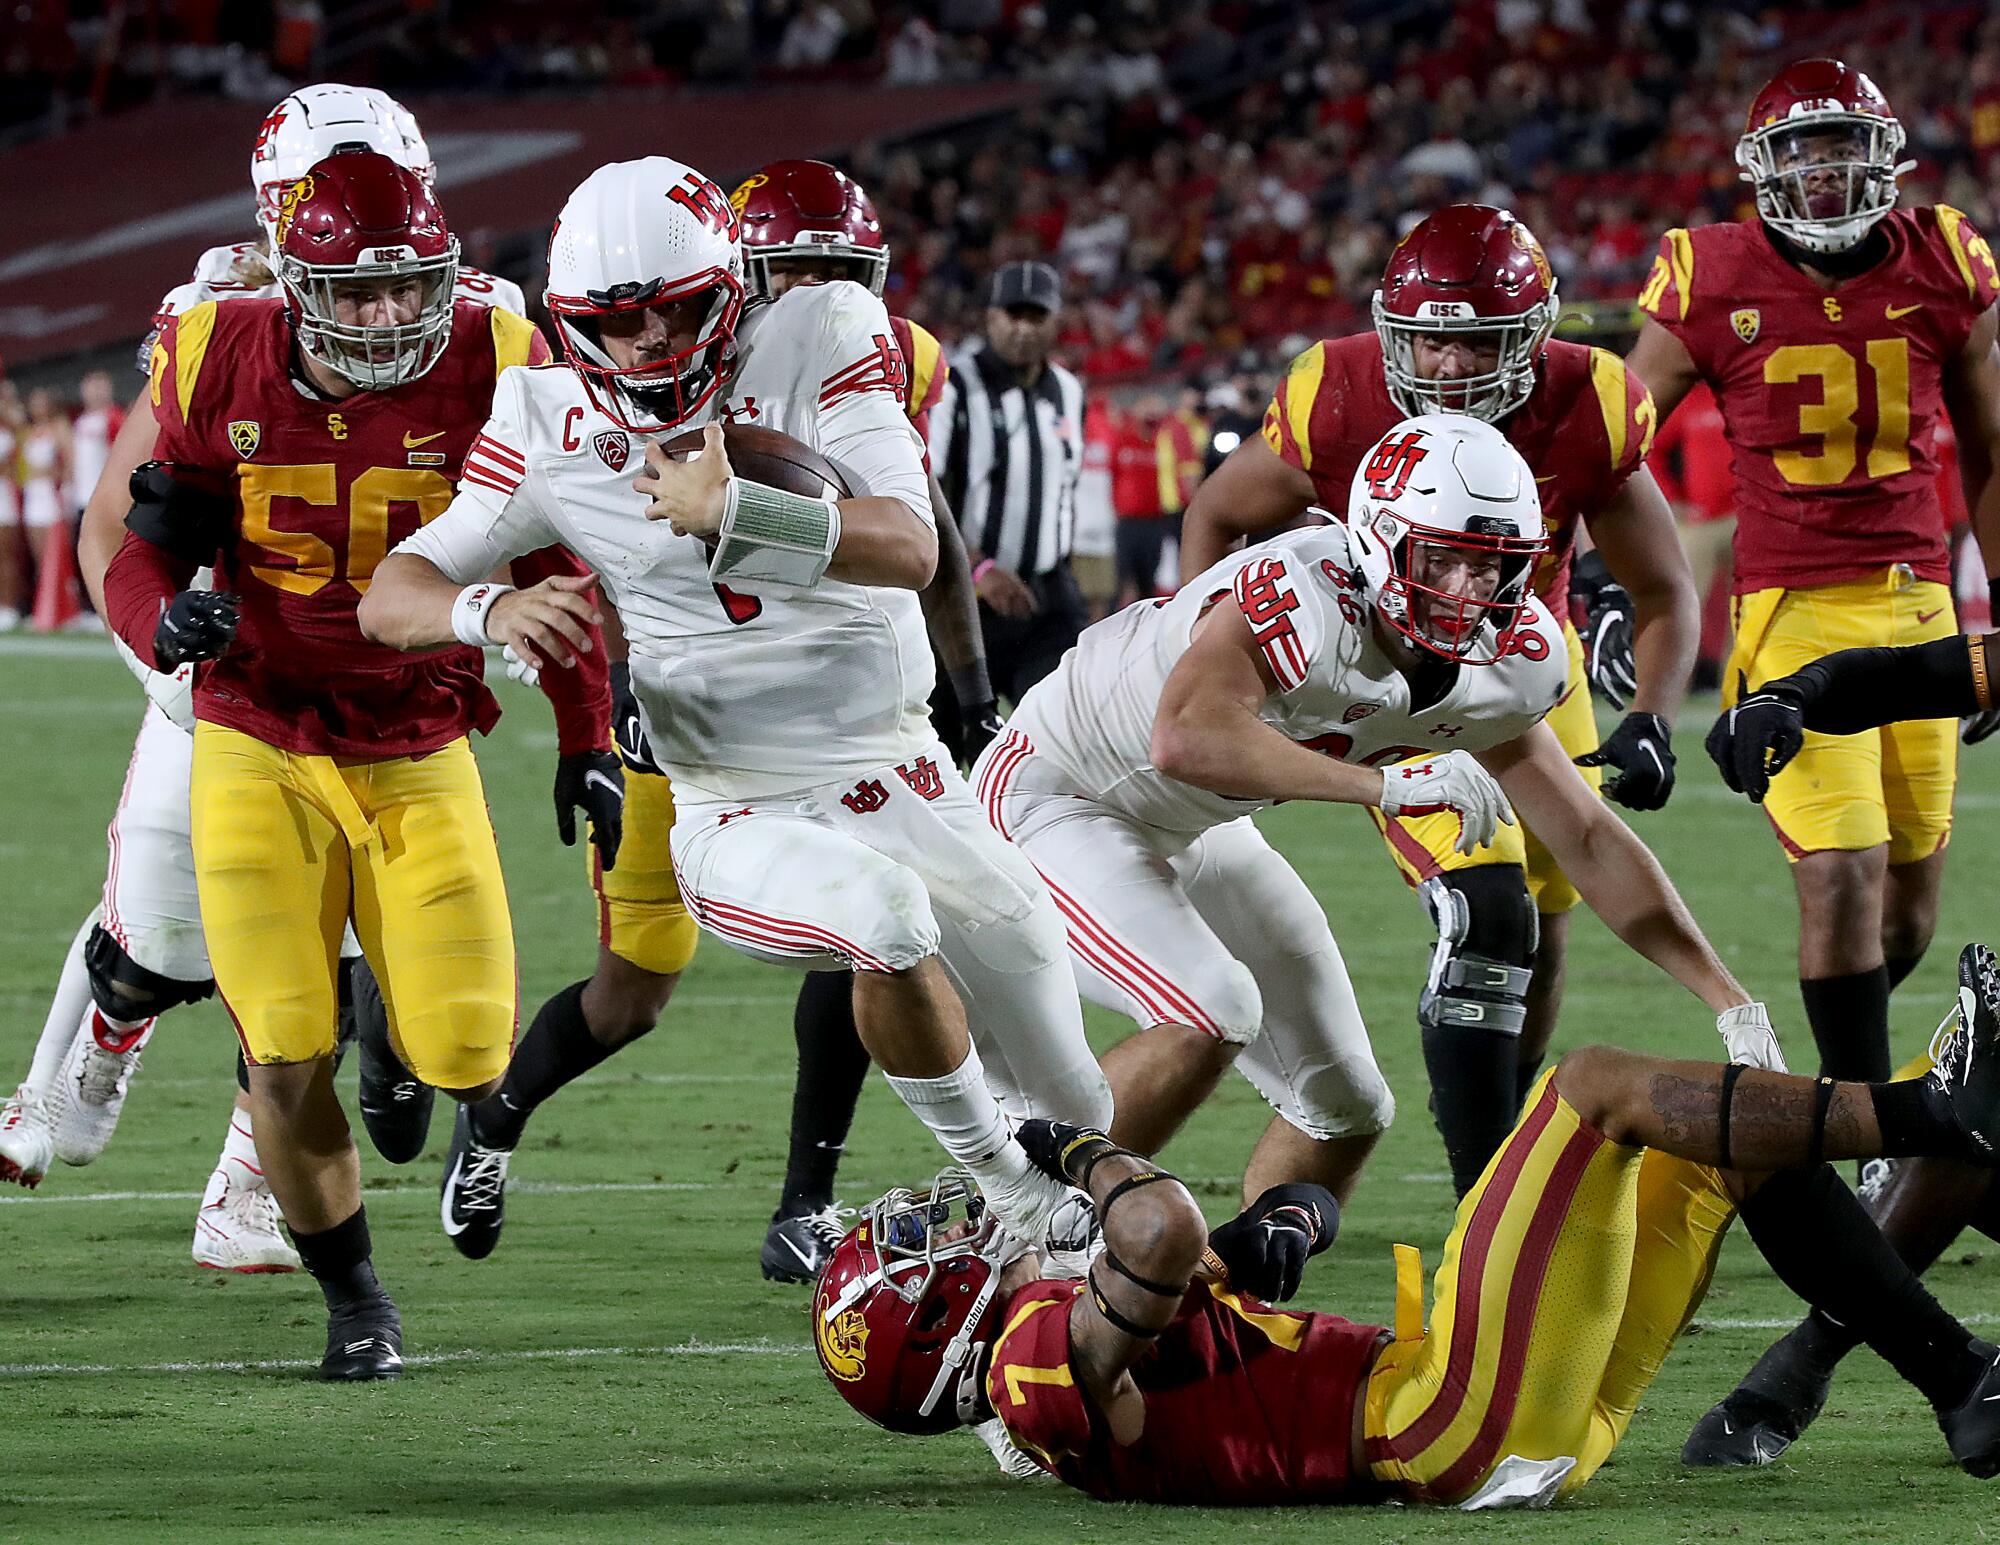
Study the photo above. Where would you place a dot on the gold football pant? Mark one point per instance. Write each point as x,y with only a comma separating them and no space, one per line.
640,916
1571,1269
286,846
1422,847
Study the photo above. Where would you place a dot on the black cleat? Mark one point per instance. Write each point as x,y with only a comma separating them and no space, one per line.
1765,1414
796,1249
472,1202
395,1103
364,1341
1972,1427
1966,1057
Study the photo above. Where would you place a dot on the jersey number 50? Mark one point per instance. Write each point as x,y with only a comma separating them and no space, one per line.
369,497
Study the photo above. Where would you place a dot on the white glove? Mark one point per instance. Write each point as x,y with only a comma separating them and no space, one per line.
1453,781
519,669
172,692
1746,1031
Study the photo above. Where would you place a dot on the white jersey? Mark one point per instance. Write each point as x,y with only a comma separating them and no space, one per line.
1338,691
219,276
745,695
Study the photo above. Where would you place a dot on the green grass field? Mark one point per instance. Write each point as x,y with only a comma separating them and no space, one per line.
619,1370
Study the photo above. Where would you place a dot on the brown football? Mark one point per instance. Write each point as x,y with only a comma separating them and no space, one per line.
773,459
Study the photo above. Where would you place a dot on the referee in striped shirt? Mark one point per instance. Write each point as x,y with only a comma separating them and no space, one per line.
1007,443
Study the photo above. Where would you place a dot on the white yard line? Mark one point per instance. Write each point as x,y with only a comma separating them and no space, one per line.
415,1360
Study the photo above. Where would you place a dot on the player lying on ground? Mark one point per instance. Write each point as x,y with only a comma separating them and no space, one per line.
1923,1204
1394,660
1462,325
1570,1271
777,649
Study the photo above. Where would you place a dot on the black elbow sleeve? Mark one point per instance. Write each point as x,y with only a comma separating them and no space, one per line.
181,510
1858,689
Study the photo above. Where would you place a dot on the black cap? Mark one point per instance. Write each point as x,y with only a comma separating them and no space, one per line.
1026,284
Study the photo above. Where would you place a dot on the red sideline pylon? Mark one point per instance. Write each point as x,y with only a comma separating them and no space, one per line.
55,584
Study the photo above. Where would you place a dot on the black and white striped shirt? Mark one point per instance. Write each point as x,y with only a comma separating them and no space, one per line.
1009,458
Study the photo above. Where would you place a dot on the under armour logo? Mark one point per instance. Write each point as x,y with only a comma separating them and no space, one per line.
729,815
866,796
731,412
1449,731
923,777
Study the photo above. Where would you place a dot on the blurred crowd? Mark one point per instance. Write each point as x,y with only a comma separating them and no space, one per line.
51,452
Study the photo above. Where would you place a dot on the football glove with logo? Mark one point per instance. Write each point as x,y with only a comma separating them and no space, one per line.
1606,632
1453,781
1266,1246
593,782
1754,741
1640,751
197,625
1746,1031
628,727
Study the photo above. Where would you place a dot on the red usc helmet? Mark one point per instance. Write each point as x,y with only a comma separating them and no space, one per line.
358,237
1468,269
808,209
1820,148
906,1303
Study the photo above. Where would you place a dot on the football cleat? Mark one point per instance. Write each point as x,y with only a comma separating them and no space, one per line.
27,1137
797,1248
1014,1464
472,1202
364,1341
238,1229
1765,1414
1972,1427
395,1103
1966,1054
91,1086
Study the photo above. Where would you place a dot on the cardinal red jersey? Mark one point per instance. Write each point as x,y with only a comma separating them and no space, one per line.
1245,1405
324,490
1830,397
1584,431
924,374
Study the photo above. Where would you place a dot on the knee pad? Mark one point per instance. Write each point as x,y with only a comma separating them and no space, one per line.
902,930
1487,933
126,990
1227,992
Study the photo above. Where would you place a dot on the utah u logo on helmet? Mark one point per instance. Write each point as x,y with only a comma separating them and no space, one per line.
704,199
1388,471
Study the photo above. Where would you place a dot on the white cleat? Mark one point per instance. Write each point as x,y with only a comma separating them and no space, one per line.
238,1229
27,1137
90,1090
1014,1464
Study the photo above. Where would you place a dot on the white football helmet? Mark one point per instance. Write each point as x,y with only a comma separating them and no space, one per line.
315,122
1439,489
635,235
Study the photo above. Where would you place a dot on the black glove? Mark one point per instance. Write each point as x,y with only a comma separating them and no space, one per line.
197,625
593,782
628,729
979,725
1752,742
1641,752
1063,1152
1606,632
1266,1246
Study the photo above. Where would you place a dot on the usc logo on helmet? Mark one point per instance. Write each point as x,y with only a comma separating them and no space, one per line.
1525,240
294,195
744,189
843,1344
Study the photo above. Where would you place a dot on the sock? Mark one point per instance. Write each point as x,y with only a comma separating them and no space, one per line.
339,1259
1915,1119
1850,1023
1474,1095
66,1011
832,1065
1899,967
1824,1247
240,1147
557,1049
118,1035
963,1115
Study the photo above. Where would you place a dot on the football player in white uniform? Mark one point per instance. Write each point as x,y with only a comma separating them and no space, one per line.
1395,660
777,649
141,952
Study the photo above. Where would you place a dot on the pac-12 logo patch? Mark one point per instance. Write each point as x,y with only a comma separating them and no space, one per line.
246,434
843,1344
612,448
1746,322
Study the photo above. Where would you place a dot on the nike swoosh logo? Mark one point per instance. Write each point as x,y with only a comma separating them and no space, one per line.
1728,1431
806,1260
598,778
452,1227
1923,617
411,442
1893,312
